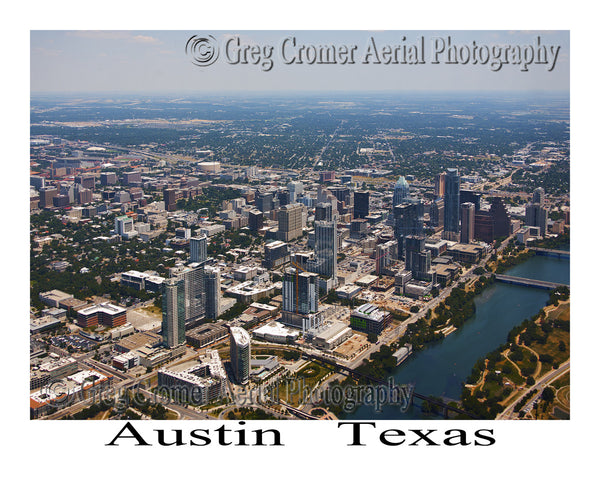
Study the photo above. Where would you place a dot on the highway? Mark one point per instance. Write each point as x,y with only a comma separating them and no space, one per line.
542,383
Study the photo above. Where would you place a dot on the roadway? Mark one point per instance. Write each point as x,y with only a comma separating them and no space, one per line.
542,383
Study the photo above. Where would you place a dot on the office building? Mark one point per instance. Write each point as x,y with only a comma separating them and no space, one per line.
470,196
538,196
326,176
369,318
86,181
46,196
326,248
84,196
296,189
103,314
361,204
122,197
324,211
213,292
344,197
264,201
68,190
37,181
439,185
60,201
401,192
239,352
123,225
436,213
206,334
290,222
170,197
300,295
358,228
417,258
408,220
132,178
536,215
255,220
276,254
385,255
500,218
108,178
452,205
173,322
194,290
467,222
198,249
283,198
493,224
466,253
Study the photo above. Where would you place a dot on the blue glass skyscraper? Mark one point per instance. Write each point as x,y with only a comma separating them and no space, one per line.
401,190
452,205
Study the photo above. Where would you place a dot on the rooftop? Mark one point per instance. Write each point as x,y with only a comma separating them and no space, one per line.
240,336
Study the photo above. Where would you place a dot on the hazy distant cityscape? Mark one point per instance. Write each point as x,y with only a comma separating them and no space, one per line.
258,257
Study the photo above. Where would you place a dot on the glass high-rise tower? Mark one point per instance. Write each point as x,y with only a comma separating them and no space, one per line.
401,191
173,321
452,204
198,249
239,352
326,247
408,220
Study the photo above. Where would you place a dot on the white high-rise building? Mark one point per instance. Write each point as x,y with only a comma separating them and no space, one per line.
239,352
296,189
123,225
173,321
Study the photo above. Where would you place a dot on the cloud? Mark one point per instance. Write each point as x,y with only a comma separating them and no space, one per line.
115,35
146,39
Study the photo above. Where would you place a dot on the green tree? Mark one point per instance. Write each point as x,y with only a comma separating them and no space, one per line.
548,394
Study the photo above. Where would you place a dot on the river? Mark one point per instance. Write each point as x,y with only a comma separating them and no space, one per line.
440,369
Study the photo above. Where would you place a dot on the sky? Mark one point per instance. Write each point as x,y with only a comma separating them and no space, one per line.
146,61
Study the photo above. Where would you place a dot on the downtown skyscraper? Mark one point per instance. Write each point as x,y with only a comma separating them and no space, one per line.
198,249
401,191
326,247
173,312
408,220
452,205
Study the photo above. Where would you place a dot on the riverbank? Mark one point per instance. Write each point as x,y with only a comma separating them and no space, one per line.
533,348
441,367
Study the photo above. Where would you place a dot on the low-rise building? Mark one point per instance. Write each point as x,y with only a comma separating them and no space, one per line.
104,314
276,332
42,324
125,361
467,253
330,335
54,297
201,384
369,318
206,334
417,288
348,291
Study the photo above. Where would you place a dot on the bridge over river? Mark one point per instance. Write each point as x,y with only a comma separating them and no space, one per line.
529,282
